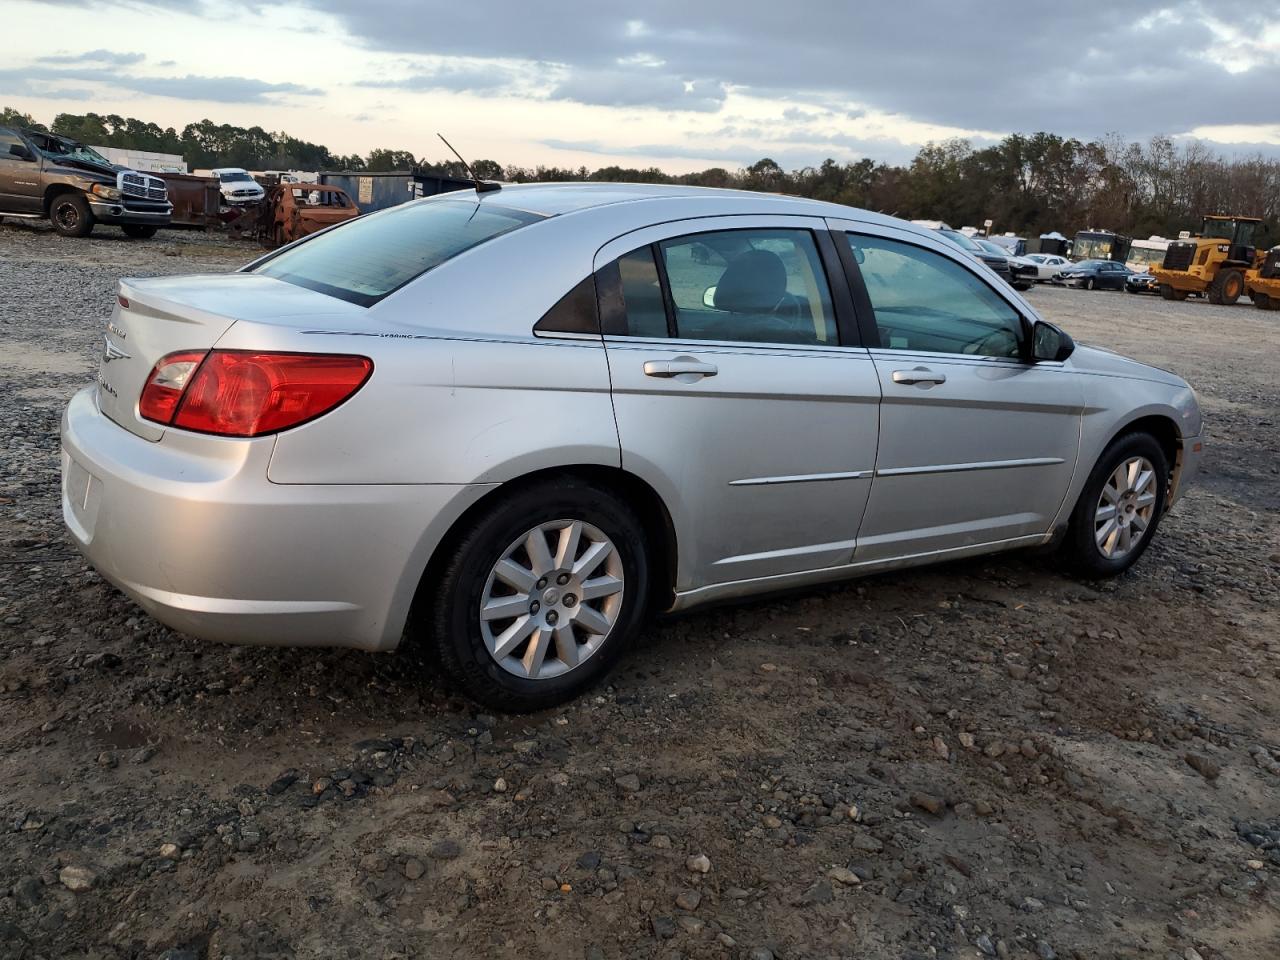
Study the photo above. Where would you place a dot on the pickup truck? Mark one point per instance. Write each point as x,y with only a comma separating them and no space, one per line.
46,176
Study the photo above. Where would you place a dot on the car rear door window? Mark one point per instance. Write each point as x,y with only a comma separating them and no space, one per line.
924,301
753,286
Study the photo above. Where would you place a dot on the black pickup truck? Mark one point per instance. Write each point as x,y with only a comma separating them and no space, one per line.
43,175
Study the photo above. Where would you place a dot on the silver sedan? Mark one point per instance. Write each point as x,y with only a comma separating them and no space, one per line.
509,424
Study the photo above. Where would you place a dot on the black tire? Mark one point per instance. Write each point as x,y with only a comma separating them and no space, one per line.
1261,301
1080,547
71,215
1022,285
1088,283
139,231
450,622
1226,287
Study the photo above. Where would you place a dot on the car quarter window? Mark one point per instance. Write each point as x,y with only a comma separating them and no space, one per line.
752,285
924,301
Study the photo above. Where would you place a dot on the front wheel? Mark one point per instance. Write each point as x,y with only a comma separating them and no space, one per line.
540,596
1088,283
71,215
1261,301
1119,508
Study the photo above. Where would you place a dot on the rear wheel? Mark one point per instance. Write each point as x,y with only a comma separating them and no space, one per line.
1261,301
1119,508
540,597
1226,287
139,231
71,215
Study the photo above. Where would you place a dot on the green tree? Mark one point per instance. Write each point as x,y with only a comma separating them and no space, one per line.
9,117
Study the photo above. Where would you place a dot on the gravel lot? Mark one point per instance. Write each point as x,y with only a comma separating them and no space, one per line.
982,759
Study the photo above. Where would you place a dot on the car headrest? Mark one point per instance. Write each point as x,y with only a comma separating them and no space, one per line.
754,282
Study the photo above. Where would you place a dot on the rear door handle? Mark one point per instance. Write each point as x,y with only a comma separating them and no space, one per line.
918,375
678,367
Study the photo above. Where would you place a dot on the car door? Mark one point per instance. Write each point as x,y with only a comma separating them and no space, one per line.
741,392
19,175
977,445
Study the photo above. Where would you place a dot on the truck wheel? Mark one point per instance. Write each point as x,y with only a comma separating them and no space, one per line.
1226,287
71,215
139,231
1261,301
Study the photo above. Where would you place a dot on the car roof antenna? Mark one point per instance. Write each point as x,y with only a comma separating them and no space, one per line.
482,186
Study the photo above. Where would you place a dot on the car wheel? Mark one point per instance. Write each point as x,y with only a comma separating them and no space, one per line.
1120,507
1088,283
71,215
139,231
540,596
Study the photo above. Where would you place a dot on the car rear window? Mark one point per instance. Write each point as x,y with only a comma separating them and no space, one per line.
366,259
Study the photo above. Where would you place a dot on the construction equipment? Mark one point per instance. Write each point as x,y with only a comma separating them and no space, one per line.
1212,262
1263,281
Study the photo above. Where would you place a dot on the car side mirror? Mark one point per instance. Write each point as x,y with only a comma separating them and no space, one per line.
1050,343
709,297
20,151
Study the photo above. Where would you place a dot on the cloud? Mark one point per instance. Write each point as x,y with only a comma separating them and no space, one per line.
486,79
1164,66
118,59
641,87
49,81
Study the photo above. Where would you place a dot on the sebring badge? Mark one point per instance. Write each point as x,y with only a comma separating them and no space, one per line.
111,352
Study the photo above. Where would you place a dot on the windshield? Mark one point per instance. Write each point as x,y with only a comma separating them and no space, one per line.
992,247
235,176
1089,264
1141,257
1086,247
961,241
57,149
365,259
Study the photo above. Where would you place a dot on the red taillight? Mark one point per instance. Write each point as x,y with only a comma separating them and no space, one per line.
164,387
236,393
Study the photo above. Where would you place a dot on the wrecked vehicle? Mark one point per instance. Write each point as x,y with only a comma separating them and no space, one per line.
294,210
43,175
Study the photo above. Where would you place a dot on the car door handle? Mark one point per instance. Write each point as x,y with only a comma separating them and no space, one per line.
918,375
675,368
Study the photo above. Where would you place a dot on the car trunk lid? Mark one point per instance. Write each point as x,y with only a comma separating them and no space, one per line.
158,316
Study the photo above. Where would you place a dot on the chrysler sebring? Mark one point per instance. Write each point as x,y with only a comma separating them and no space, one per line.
508,424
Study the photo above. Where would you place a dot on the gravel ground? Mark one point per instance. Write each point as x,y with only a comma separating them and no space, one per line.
982,759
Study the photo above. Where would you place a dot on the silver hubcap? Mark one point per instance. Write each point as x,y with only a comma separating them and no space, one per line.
552,599
1125,509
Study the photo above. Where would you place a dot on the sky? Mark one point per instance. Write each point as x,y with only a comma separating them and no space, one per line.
679,85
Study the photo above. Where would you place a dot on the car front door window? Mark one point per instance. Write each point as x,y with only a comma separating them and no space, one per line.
925,302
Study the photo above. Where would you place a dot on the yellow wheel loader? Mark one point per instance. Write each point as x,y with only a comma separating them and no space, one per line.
1212,263
1263,281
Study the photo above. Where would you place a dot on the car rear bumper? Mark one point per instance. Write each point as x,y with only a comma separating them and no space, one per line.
193,531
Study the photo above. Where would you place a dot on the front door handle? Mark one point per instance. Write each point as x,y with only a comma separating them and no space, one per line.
918,375
679,367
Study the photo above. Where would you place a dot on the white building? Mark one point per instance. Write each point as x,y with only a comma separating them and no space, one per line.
143,161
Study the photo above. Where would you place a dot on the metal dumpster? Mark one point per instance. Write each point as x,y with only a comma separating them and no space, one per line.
377,191
195,199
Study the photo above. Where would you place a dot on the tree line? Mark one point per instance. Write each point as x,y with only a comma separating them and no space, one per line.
1027,183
